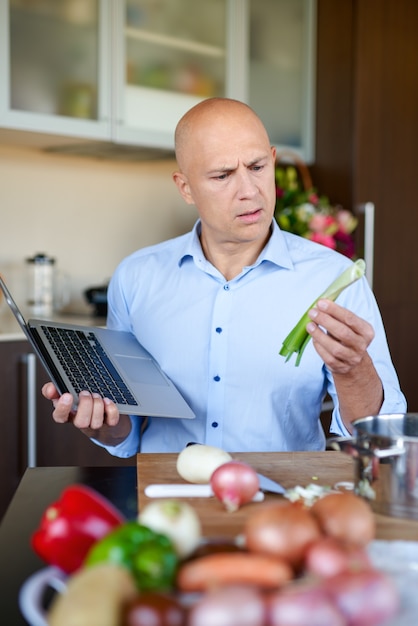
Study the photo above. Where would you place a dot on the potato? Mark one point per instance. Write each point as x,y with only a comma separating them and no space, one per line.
196,463
95,595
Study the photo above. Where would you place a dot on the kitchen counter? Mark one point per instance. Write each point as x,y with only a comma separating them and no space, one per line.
11,331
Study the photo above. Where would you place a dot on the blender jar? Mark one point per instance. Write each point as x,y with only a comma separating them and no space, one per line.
40,298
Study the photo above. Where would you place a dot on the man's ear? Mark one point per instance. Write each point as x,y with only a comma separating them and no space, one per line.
183,187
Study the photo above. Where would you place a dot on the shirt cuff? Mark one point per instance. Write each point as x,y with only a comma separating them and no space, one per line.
337,426
129,446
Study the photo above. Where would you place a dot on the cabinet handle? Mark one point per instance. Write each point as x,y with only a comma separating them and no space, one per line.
30,360
368,209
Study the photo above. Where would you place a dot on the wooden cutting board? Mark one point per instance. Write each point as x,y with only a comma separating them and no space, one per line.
288,468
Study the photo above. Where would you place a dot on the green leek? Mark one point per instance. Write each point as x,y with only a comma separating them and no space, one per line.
298,338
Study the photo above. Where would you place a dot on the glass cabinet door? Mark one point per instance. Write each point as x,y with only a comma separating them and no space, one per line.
281,70
54,63
176,45
174,55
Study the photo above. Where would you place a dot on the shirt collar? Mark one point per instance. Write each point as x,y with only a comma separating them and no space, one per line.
275,251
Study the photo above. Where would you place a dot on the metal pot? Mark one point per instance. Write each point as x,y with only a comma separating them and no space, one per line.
385,450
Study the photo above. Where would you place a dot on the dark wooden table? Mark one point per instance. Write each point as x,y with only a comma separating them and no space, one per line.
37,489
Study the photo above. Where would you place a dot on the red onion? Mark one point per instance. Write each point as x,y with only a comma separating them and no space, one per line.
366,598
229,606
234,483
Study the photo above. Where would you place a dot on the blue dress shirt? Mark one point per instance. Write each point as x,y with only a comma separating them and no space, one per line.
219,343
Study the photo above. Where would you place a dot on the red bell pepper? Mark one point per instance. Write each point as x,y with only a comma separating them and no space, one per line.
72,524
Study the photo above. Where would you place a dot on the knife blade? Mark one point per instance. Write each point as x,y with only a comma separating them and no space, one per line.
267,484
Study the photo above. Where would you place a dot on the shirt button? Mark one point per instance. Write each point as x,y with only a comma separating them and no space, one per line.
214,424
217,378
226,287
218,329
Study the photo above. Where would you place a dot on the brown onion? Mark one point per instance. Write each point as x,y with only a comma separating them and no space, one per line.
283,529
153,608
345,516
234,483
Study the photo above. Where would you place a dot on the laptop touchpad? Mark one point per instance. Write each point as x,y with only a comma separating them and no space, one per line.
141,371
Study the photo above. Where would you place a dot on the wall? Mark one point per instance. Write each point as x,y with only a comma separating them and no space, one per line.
366,131
386,131
87,213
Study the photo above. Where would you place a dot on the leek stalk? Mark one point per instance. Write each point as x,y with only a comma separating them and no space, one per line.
298,338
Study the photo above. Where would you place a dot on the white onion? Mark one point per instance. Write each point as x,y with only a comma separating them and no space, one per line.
175,519
234,483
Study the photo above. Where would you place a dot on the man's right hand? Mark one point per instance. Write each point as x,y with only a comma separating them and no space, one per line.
93,411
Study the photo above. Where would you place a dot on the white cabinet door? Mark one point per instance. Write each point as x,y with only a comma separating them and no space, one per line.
171,56
281,71
55,59
174,53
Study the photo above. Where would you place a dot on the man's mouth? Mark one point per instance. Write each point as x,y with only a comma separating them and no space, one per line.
250,216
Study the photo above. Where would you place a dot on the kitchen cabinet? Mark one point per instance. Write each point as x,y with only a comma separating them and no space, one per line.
29,435
124,72
55,58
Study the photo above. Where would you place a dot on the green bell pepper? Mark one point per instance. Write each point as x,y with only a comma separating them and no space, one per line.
149,556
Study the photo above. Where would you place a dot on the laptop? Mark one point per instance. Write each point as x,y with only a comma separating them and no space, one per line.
109,362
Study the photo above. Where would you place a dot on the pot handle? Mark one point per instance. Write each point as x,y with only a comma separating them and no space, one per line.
349,446
32,593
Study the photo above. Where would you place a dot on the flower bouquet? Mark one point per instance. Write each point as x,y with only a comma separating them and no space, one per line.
301,210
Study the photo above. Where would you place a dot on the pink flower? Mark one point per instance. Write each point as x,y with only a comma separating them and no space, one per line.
346,221
345,244
320,223
313,198
325,240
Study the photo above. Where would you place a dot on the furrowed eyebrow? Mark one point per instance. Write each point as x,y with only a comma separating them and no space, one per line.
221,170
257,161
225,169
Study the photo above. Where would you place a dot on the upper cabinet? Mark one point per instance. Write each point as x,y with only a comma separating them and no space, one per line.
54,69
281,71
171,55
125,71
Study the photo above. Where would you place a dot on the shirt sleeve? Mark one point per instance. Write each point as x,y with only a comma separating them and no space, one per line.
130,446
120,321
393,399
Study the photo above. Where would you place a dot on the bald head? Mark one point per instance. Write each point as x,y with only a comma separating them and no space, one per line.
197,126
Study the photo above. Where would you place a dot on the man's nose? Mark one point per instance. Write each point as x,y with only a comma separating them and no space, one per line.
246,184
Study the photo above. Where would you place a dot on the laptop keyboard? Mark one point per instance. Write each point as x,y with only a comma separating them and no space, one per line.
87,365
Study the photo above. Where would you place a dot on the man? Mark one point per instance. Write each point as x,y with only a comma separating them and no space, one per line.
213,307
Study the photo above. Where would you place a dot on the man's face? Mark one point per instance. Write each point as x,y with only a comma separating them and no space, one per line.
229,176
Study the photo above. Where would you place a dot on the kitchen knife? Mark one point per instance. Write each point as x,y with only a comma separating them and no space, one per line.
267,484
186,490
